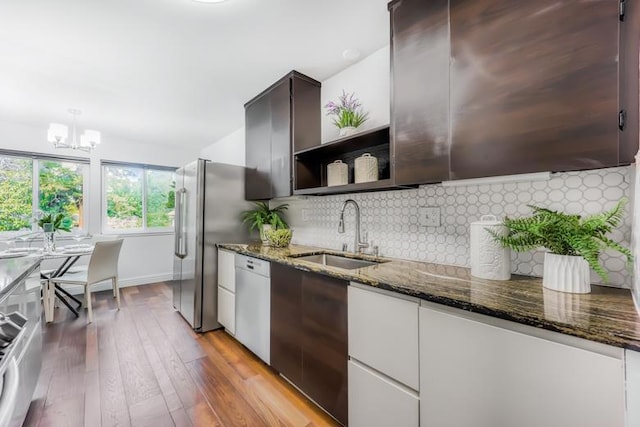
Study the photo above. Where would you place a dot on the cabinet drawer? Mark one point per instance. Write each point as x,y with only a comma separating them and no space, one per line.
383,334
227,309
227,270
377,401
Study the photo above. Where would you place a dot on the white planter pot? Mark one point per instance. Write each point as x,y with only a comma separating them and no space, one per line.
265,241
347,131
566,273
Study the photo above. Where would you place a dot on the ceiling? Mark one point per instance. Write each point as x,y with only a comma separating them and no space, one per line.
169,72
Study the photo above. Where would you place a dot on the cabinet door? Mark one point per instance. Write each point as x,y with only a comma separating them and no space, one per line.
387,343
258,149
534,86
227,270
306,117
632,376
481,375
286,322
280,101
227,309
420,90
324,344
376,401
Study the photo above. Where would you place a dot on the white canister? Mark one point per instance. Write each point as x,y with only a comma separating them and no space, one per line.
489,259
337,173
366,168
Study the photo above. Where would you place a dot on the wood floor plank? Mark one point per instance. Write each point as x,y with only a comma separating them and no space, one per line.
138,378
144,366
180,418
152,412
113,408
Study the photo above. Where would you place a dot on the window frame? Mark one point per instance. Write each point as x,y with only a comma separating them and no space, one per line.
144,230
36,158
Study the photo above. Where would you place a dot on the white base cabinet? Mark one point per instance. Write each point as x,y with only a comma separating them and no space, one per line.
383,358
633,388
484,374
227,290
376,401
383,333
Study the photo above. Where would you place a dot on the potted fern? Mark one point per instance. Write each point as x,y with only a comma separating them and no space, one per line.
263,218
574,244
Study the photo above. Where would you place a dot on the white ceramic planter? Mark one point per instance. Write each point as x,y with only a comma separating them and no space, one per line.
347,131
263,237
566,273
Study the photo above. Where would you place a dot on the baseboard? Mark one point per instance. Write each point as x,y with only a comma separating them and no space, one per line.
124,283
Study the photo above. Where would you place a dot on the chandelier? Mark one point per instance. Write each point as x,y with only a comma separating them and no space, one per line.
58,134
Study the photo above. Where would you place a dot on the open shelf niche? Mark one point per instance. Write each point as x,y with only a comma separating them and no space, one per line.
310,170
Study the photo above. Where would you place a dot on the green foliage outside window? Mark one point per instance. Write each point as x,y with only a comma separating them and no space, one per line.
125,187
16,193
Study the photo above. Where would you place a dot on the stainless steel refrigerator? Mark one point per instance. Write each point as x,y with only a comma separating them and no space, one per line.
209,201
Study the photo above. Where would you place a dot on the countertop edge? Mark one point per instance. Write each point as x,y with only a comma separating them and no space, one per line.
559,327
26,273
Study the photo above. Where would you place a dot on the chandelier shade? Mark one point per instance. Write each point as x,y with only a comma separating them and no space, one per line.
58,135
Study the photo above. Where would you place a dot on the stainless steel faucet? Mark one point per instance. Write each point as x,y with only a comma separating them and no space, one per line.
358,246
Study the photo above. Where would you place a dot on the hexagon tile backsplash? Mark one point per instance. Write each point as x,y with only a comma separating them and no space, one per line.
391,221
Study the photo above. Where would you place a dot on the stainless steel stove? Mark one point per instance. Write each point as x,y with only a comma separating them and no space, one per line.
20,347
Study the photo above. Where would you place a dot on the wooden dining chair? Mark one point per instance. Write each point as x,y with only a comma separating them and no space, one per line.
103,265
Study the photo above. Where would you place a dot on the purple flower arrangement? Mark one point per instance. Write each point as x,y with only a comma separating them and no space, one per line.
347,111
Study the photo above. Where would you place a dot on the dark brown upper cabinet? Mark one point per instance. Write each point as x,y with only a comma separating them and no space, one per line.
282,119
534,86
500,87
420,91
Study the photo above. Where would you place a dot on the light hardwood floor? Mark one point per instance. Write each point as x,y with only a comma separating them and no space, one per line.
144,366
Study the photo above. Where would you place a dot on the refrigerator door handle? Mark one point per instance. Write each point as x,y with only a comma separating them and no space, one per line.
182,249
179,248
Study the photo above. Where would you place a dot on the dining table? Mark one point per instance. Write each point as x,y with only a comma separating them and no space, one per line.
67,257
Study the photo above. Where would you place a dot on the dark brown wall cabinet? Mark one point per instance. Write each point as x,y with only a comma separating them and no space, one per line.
282,119
420,90
309,335
499,87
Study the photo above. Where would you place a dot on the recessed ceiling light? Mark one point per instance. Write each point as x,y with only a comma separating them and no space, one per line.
351,54
209,1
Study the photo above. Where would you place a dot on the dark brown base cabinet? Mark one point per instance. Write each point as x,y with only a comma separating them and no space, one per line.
501,87
309,335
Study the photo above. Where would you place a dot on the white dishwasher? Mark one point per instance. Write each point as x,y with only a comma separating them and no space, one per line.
253,305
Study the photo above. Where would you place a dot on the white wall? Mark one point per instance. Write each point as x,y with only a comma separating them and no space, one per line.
229,149
370,80
144,258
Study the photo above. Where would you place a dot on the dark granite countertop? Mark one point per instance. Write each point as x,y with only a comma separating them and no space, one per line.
606,315
14,270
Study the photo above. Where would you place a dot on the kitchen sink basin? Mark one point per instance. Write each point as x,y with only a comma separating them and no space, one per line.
338,261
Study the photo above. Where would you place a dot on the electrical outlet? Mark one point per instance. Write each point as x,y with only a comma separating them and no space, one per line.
305,215
429,216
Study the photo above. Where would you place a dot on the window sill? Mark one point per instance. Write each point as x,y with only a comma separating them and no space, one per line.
138,233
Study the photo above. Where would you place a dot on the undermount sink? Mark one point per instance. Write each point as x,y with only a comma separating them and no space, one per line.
338,261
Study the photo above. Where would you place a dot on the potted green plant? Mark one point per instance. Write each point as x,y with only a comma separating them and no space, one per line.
50,223
574,244
347,112
262,218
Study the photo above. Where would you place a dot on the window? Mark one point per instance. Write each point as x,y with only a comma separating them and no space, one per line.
137,198
30,183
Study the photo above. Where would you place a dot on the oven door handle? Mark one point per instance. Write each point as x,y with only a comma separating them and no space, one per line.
9,395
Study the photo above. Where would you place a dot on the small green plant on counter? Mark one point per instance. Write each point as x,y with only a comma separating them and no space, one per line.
565,234
262,214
